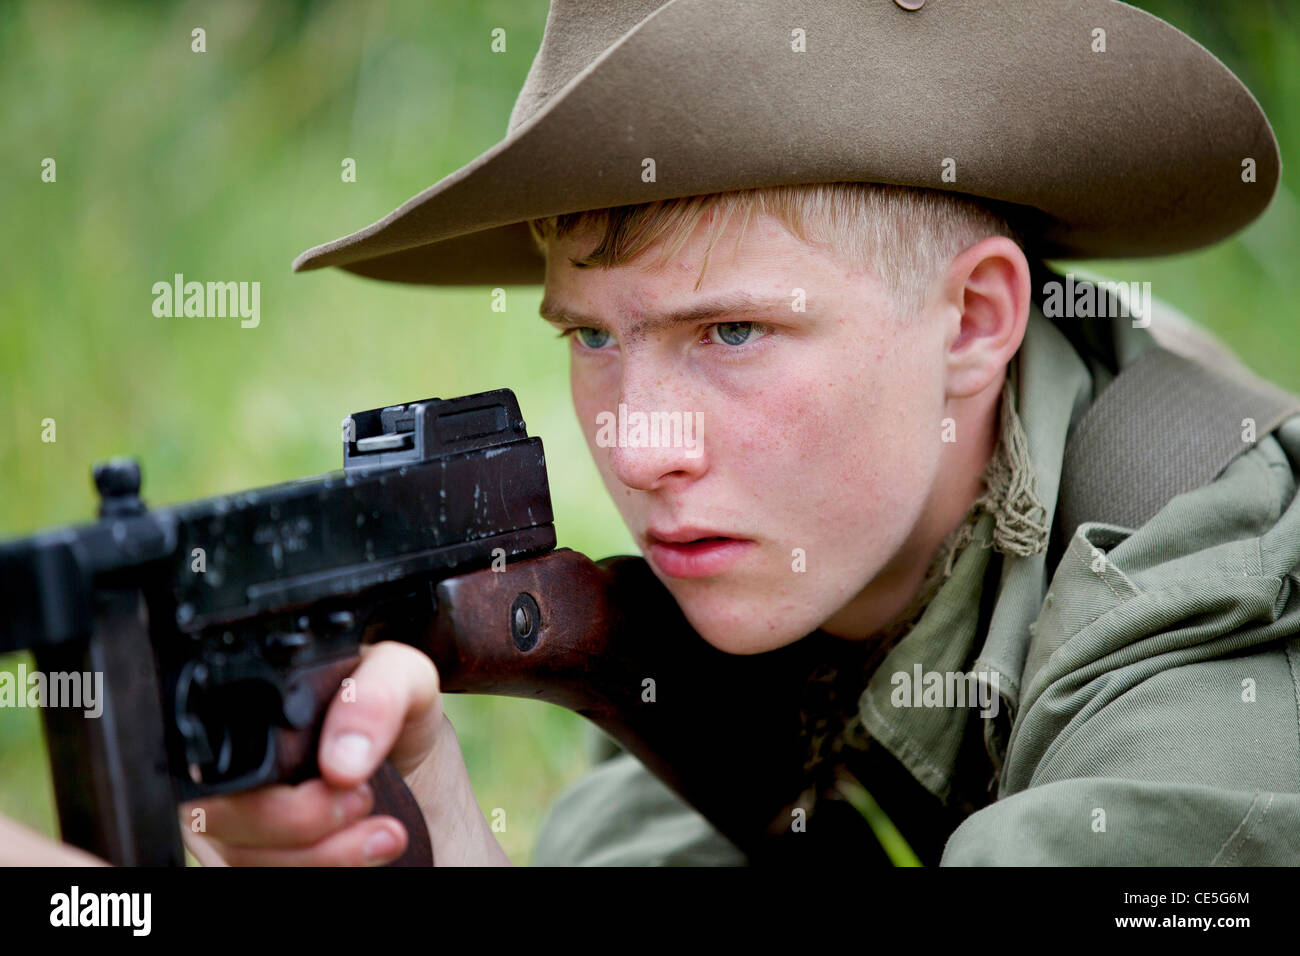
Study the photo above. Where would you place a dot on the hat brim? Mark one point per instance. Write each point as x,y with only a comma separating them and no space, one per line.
1134,151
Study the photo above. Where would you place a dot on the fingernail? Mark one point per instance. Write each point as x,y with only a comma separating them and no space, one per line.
351,753
381,846
350,804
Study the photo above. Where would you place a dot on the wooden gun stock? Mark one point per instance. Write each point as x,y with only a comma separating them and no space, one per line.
723,730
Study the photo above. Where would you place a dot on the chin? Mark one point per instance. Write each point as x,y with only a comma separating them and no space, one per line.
722,629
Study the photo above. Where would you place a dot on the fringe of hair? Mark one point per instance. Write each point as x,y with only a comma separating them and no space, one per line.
902,234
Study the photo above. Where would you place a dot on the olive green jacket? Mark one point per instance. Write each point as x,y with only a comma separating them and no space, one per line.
1150,691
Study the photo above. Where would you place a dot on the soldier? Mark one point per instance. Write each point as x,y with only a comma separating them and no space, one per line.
821,227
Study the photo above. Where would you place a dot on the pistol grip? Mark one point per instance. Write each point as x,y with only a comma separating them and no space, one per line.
394,799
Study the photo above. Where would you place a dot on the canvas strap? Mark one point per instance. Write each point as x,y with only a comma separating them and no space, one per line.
1165,424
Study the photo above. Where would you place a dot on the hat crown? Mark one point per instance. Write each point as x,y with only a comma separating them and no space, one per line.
577,32
726,95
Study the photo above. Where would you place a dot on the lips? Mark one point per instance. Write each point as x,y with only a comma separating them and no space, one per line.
690,552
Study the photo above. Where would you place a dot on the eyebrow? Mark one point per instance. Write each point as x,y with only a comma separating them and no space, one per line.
720,307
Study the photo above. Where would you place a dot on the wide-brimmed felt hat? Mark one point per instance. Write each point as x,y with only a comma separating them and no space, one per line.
1102,130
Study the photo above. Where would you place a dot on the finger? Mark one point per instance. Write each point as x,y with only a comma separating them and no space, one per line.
372,842
394,696
282,815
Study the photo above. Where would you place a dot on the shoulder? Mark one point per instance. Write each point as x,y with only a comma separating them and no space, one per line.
1160,718
1108,821
1167,652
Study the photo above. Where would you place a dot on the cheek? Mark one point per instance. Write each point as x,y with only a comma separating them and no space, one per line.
836,470
826,437
880,423
845,460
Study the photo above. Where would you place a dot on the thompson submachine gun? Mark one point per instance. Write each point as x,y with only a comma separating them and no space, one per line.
223,629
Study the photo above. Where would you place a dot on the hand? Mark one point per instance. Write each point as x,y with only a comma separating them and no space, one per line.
395,710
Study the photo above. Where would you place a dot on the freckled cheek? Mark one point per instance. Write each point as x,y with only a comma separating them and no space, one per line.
763,439
784,461
837,462
828,440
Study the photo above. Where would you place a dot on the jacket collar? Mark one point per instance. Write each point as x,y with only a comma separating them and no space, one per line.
1053,385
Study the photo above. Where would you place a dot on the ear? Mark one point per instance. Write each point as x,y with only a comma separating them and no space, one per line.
986,293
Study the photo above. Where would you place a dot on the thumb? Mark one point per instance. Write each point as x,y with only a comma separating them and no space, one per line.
394,709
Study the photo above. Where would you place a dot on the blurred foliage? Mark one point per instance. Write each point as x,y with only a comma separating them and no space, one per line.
225,165
1243,289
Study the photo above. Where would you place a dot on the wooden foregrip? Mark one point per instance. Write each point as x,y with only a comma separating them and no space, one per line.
608,641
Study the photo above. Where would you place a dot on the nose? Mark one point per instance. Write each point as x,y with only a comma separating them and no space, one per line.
654,440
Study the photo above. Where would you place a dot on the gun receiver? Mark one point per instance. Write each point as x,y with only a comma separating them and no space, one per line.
224,627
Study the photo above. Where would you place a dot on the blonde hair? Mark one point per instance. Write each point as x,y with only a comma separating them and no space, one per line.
904,235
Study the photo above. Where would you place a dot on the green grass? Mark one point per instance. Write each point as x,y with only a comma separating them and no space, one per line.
891,840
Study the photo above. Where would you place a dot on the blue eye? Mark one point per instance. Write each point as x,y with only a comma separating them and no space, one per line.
593,338
736,333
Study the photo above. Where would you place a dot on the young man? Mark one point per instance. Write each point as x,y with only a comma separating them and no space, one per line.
886,409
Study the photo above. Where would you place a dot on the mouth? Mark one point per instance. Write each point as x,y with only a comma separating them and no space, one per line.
689,553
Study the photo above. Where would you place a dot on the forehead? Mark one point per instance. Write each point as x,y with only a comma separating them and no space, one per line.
764,257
